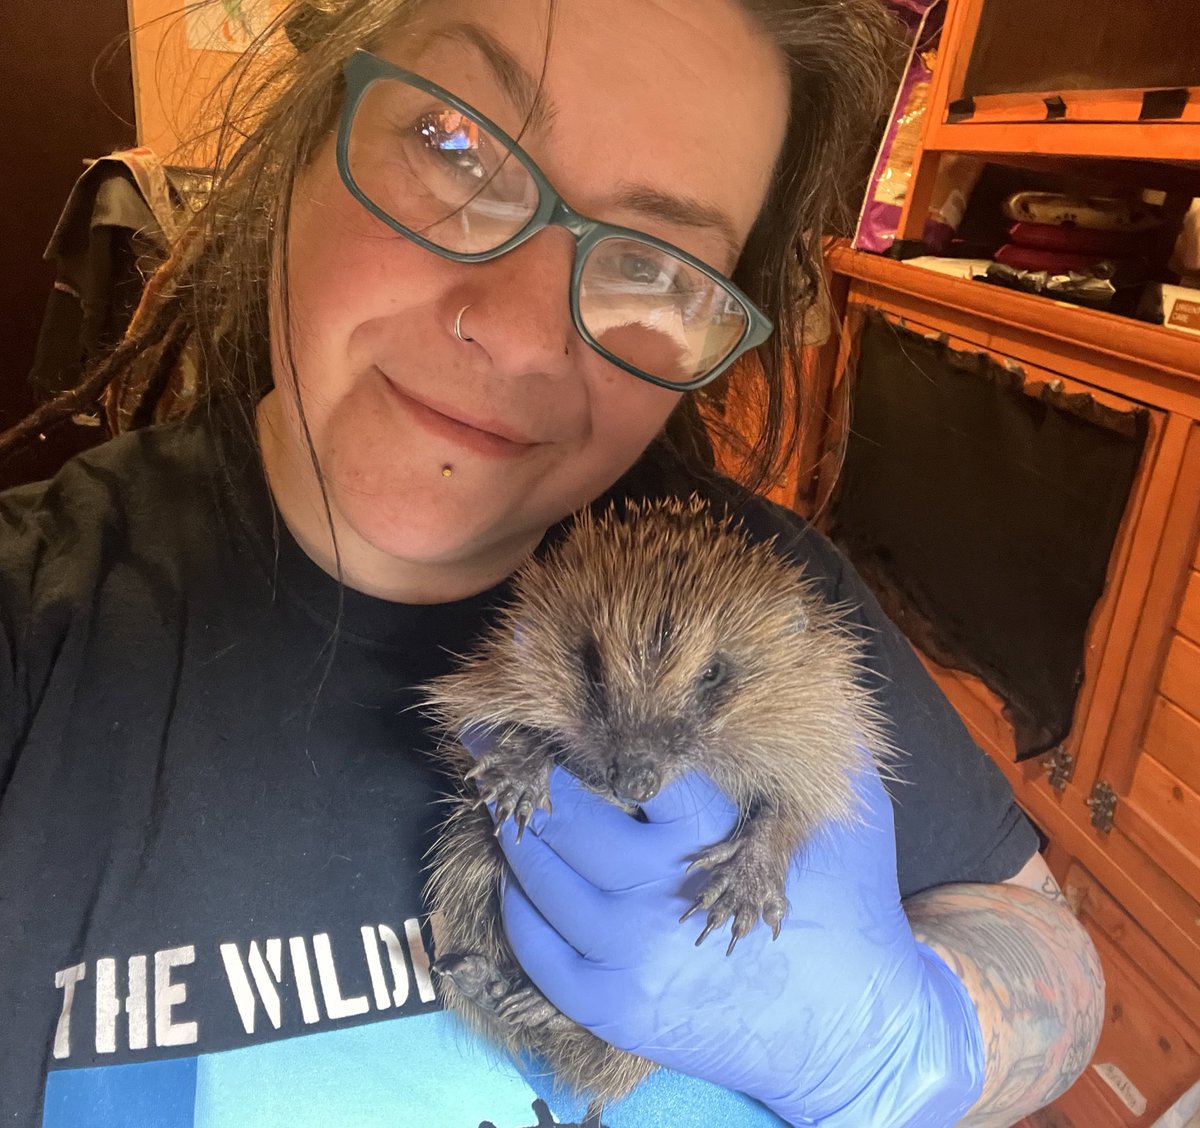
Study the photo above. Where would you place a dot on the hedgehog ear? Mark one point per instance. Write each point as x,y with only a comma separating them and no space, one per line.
801,619
521,636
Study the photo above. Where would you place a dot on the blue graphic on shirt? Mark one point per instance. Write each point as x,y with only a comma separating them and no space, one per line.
423,1071
158,1093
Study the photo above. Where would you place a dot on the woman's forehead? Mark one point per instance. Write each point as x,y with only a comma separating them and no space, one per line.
655,93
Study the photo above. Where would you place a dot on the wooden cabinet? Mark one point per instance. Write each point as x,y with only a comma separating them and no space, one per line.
1119,800
1151,759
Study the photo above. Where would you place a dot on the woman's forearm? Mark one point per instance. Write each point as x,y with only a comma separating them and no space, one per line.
1036,982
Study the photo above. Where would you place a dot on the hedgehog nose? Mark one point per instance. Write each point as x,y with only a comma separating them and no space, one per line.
636,782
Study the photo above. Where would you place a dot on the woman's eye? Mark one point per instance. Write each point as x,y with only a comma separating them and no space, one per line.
645,271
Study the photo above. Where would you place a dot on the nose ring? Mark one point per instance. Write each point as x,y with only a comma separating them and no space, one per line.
458,325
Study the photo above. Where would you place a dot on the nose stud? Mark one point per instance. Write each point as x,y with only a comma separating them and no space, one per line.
458,325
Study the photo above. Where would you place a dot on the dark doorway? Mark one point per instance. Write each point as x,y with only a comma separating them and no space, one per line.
69,96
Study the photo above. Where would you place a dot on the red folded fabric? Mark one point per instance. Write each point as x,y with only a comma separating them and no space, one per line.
1056,262
1077,240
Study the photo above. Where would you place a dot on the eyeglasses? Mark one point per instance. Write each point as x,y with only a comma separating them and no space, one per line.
436,170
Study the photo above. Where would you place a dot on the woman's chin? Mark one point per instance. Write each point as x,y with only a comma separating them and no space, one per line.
427,545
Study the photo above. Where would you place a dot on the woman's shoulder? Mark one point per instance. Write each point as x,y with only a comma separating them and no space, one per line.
140,489
106,480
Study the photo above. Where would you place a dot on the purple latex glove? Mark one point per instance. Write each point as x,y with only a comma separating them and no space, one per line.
844,1021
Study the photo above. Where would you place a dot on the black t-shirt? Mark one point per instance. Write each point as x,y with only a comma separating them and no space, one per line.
216,794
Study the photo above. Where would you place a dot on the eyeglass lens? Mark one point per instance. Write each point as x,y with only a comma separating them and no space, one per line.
443,176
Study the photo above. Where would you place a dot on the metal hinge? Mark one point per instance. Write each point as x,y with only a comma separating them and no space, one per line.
1059,764
1102,803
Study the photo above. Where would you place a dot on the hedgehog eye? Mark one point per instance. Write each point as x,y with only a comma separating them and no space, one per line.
713,674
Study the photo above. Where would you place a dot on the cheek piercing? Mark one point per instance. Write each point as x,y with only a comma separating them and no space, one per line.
447,471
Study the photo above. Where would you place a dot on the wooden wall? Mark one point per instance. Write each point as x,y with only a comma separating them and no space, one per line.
176,69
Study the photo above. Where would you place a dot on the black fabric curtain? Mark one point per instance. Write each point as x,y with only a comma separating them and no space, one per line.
984,516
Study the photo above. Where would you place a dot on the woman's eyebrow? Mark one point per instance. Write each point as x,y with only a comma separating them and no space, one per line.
522,89
681,210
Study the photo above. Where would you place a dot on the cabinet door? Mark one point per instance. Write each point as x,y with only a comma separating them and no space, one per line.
1151,759
1149,1051
980,495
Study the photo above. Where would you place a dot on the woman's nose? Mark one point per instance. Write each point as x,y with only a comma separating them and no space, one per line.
520,306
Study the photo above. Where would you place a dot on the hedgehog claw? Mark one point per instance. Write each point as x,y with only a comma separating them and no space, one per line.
514,783
740,888
714,856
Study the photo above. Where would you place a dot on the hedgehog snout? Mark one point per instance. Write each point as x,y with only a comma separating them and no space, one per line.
634,778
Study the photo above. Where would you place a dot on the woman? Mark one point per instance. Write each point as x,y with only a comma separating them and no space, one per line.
216,799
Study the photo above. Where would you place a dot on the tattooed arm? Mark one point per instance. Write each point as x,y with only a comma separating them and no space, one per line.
1034,977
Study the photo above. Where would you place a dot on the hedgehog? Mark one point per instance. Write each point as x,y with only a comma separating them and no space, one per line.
656,639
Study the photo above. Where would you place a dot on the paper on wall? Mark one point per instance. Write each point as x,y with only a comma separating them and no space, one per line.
225,25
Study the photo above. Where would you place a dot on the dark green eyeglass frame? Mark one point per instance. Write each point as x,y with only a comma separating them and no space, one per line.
363,68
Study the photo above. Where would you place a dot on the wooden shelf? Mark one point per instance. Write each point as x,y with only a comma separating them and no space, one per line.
1088,106
1166,358
1158,141
1096,123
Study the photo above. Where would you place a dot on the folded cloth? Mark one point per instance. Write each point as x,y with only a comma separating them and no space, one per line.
1096,213
1053,262
1076,240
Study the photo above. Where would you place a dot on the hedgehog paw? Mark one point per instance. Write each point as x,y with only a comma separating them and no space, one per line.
527,1006
512,1001
474,976
743,889
516,785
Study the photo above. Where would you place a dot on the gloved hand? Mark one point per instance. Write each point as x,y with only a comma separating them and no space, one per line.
845,1021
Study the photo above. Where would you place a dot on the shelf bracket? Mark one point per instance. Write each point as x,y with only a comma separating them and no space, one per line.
1102,803
1164,104
1056,108
961,109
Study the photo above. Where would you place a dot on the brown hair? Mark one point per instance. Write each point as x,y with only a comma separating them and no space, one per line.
279,101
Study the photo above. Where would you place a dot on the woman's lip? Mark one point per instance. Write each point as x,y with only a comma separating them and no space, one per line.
478,437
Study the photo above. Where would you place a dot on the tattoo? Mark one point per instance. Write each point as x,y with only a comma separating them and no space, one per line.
1036,982
1050,889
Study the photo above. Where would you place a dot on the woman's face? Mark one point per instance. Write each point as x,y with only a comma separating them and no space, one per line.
660,115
